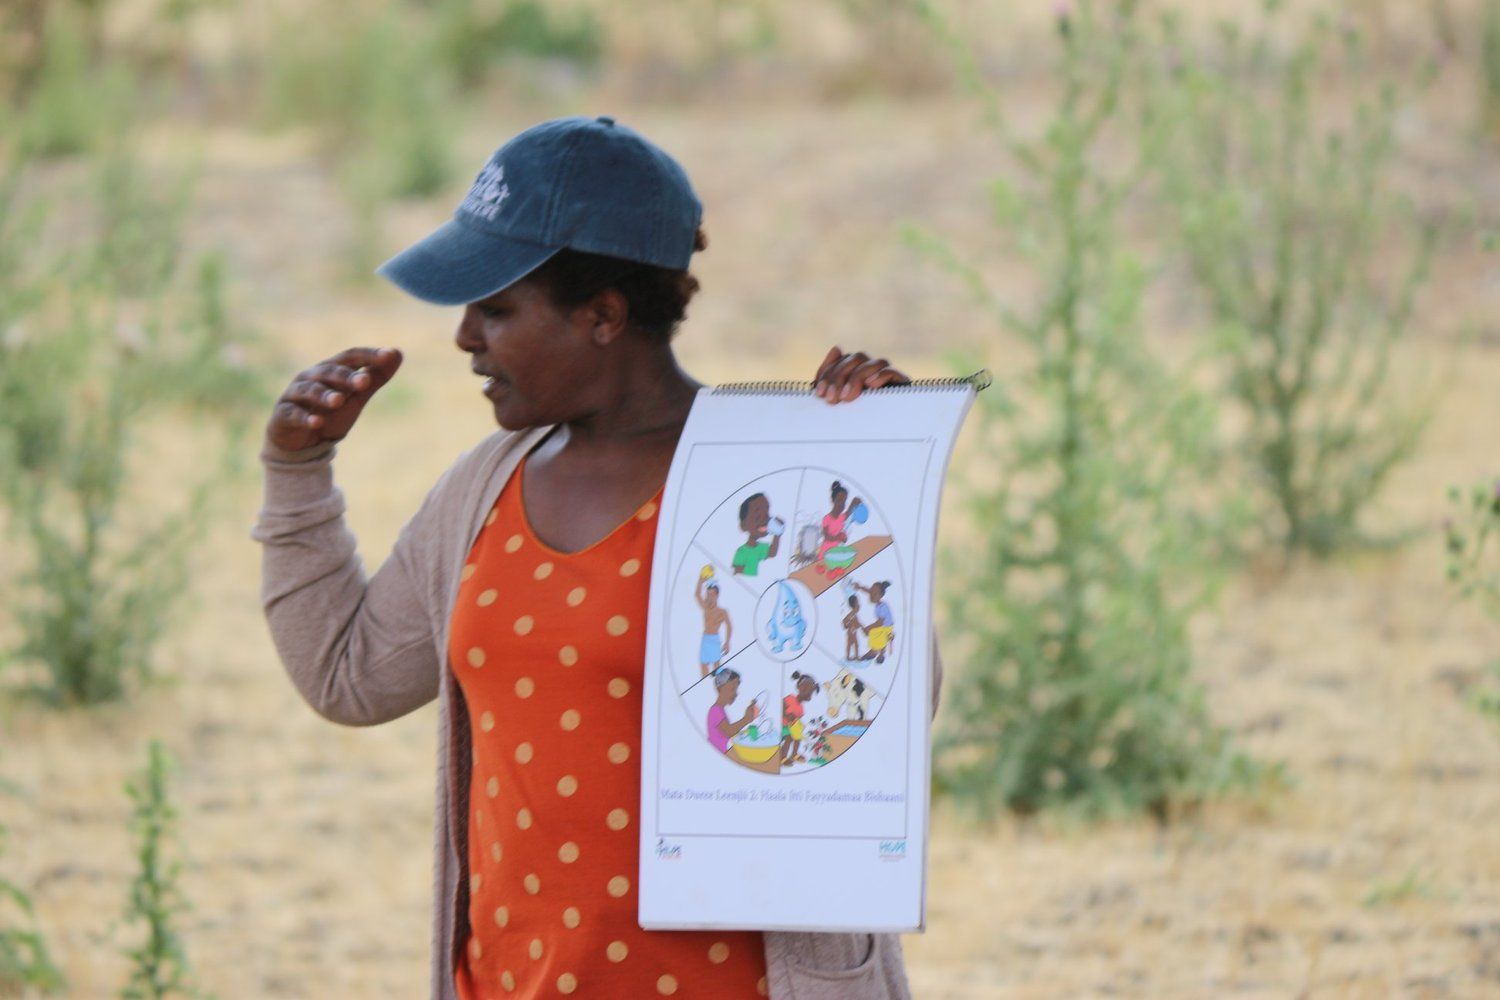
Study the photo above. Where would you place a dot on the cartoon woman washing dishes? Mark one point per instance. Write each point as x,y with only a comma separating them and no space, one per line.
720,729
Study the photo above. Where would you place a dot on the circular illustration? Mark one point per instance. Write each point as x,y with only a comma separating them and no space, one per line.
783,622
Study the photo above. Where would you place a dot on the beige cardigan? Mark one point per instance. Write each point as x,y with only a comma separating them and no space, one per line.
365,651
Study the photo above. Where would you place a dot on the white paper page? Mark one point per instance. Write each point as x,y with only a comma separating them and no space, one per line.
821,824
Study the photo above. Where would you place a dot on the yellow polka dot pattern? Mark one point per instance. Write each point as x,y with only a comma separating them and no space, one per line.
552,647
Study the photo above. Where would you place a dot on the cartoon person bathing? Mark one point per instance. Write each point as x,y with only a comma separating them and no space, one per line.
852,628
756,521
882,631
711,648
793,707
720,729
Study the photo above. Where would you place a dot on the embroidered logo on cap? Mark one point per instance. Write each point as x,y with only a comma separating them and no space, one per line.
488,193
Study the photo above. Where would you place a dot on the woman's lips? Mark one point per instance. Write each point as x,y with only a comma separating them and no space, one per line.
493,387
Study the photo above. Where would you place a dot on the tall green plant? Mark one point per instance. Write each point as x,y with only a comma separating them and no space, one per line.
24,959
1086,549
69,96
1489,69
1471,538
471,36
371,81
159,964
1307,257
101,350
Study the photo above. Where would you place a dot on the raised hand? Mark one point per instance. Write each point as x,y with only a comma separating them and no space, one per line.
323,401
842,377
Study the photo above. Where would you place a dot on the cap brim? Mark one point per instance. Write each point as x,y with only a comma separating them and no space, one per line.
456,264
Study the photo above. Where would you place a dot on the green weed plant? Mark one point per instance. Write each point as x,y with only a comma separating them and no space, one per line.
1090,550
1471,540
103,348
1277,154
25,962
159,964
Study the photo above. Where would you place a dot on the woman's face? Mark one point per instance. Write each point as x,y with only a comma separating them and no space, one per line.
541,360
729,691
838,498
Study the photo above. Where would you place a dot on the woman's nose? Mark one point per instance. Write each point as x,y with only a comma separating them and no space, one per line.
467,337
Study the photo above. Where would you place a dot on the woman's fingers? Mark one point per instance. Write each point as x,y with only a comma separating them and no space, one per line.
830,359
322,402
315,396
842,377
291,416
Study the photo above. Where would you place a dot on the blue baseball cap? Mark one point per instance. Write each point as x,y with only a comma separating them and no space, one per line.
584,183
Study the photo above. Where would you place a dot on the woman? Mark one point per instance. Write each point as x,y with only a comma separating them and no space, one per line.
517,593
720,729
835,522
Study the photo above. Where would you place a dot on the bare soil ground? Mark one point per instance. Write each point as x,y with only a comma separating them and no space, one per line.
308,845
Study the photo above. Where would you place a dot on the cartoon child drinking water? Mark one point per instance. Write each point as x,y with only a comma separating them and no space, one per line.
756,521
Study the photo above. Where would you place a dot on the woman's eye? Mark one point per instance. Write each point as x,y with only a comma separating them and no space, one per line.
491,312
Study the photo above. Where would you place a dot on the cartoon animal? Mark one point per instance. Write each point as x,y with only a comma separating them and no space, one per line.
786,624
846,689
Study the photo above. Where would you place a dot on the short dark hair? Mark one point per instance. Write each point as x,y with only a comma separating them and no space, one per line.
745,504
657,296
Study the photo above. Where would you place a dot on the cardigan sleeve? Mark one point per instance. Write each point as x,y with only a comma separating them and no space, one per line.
359,650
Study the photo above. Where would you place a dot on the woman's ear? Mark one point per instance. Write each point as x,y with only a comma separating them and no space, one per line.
608,313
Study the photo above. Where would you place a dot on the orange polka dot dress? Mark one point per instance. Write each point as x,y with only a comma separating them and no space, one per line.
548,648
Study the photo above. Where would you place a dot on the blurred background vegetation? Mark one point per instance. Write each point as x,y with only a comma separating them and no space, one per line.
1221,555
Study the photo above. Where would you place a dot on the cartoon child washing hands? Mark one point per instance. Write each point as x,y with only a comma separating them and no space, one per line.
793,707
720,729
711,648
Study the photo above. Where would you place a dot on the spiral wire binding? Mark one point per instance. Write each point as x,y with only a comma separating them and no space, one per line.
790,387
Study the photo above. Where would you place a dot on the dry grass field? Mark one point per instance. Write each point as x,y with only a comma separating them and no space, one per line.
308,845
